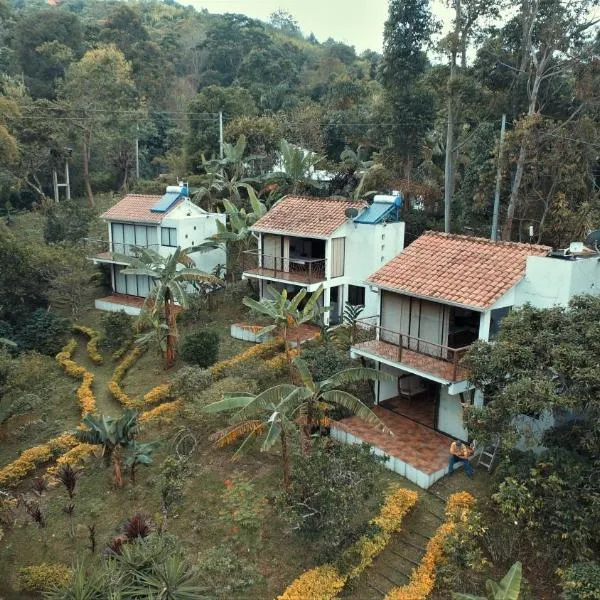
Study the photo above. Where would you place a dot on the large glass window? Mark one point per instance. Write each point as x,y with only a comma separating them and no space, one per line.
168,236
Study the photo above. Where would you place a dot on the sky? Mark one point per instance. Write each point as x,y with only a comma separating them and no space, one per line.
357,23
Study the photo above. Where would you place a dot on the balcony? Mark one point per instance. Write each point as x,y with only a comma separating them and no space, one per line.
305,271
102,251
409,352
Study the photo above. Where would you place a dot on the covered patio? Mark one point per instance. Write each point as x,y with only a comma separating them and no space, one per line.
415,451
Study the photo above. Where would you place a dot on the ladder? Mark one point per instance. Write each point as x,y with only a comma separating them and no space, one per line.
488,454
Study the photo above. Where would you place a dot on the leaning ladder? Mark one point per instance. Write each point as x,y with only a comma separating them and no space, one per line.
487,455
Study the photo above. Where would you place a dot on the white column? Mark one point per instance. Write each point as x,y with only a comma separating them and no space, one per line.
484,325
326,302
327,260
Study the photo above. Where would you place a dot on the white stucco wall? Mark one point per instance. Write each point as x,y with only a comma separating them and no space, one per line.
194,226
370,246
550,281
450,415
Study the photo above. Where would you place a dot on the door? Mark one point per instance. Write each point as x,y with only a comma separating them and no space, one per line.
271,252
337,257
391,307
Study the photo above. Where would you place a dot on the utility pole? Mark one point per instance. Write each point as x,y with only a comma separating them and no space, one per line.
221,133
494,235
67,178
137,151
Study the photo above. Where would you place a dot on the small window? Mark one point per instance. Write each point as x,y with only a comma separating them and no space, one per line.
168,236
496,318
356,295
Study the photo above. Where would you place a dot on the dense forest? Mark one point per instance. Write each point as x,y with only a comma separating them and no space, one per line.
87,81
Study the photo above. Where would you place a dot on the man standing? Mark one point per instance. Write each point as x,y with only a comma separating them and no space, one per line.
460,453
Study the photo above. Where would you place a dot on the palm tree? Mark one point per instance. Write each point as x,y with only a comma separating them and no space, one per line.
236,236
306,406
170,275
297,165
112,434
285,313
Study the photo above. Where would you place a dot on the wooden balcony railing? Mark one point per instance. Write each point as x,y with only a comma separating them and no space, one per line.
302,270
405,348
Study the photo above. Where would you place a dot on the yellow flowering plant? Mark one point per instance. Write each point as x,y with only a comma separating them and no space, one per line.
164,412
422,579
44,577
30,459
326,582
158,394
92,345
256,351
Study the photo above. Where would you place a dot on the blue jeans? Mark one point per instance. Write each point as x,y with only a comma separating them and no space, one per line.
454,459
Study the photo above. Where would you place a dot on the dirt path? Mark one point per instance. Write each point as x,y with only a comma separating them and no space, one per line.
106,404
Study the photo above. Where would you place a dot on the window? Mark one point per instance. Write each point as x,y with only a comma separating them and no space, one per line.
126,236
356,295
496,318
168,236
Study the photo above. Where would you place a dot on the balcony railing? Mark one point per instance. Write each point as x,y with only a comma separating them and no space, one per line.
103,249
410,350
301,270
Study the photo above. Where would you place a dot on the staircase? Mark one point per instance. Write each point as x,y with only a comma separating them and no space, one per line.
392,568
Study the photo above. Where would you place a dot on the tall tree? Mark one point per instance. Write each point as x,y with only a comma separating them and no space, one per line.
102,99
410,106
552,35
466,15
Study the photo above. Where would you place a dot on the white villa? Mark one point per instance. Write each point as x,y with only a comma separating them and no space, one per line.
161,223
307,242
435,299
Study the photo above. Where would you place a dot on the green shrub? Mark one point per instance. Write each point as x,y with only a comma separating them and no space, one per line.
190,382
324,360
581,581
224,573
326,489
201,348
118,329
67,222
44,332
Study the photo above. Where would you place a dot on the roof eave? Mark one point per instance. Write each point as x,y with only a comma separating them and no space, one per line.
405,292
293,233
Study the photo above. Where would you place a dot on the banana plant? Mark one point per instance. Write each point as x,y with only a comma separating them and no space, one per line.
509,588
285,313
170,275
304,406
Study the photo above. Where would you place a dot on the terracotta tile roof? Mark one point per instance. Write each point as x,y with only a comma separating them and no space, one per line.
135,208
456,268
305,216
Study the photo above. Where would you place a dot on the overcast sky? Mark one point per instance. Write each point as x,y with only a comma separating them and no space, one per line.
358,23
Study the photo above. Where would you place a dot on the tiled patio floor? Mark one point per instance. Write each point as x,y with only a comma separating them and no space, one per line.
421,409
416,445
422,362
